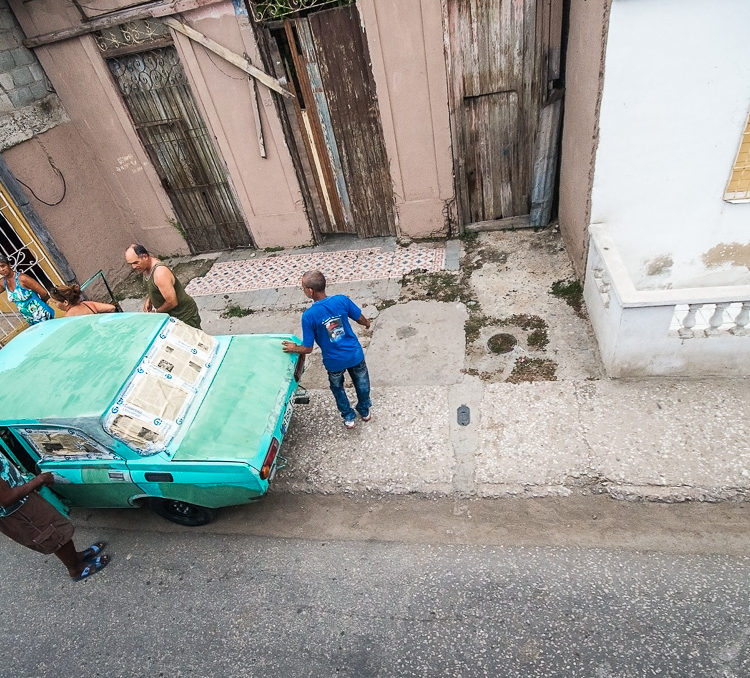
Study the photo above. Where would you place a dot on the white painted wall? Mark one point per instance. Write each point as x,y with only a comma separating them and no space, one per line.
675,100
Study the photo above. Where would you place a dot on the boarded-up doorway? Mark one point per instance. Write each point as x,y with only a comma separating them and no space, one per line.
335,123
504,71
166,117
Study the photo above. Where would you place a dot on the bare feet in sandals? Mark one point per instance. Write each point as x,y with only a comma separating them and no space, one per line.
92,567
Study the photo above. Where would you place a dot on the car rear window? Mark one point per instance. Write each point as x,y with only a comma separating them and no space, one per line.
63,443
152,404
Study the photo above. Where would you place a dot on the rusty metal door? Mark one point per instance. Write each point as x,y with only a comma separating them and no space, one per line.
326,57
165,115
500,74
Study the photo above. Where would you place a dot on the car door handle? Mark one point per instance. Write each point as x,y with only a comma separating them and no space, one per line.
158,477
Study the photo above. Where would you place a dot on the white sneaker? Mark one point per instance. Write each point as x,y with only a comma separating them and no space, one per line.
349,423
368,417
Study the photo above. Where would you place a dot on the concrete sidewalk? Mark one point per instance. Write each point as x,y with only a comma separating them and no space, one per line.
544,418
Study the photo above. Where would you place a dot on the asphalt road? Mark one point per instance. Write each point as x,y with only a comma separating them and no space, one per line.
223,601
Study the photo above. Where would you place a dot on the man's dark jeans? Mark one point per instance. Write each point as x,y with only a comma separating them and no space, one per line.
361,381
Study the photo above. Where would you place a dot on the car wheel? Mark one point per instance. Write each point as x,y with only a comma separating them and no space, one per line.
181,512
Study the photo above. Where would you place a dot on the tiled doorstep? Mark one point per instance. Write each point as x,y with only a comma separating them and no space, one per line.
338,266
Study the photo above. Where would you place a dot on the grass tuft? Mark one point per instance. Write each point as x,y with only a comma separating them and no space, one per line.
571,291
236,311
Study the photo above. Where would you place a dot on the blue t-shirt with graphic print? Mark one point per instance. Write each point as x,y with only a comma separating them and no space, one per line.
327,323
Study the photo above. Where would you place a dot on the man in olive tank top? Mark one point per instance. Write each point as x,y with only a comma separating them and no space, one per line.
165,293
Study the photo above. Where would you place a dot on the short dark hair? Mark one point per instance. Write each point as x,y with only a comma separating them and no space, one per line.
139,250
315,280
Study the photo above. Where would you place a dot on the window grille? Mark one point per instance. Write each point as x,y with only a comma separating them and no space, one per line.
132,36
26,255
268,10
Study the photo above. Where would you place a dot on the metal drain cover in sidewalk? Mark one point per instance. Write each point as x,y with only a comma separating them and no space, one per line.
463,415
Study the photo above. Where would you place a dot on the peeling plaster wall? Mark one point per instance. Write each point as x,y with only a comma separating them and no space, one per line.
115,196
675,100
267,188
91,227
405,39
28,106
584,69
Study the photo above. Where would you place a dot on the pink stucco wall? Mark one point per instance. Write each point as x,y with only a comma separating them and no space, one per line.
121,197
583,86
115,196
91,227
267,188
405,39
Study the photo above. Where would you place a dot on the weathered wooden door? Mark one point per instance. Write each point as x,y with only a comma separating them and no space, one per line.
327,61
165,115
498,62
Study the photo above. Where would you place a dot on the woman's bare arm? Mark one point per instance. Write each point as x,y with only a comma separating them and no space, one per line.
30,284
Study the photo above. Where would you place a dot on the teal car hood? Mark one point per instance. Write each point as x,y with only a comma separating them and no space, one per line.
71,368
240,411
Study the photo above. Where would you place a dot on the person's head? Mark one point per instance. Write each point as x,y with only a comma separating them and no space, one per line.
5,268
138,257
66,295
313,281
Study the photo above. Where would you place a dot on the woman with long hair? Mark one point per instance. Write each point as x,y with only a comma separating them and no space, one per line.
69,298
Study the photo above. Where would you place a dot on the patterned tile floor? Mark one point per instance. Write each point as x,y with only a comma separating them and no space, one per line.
340,266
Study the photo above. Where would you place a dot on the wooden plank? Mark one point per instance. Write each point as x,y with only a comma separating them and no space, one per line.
350,92
297,137
545,163
507,224
149,10
255,106
492,154
533,88
554,45
317,142
330,145
235,59
453,56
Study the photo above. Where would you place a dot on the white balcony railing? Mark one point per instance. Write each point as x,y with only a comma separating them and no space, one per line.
653,332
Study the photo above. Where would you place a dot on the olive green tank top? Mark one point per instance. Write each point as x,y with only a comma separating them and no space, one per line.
186,309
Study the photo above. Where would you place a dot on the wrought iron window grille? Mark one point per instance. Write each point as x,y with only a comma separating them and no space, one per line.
269,10
131,34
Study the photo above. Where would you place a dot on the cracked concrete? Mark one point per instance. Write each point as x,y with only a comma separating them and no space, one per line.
655,439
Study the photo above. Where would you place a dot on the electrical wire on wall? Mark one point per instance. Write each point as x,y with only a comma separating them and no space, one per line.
59,174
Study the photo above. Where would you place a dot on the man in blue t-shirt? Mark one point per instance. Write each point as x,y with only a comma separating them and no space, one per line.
327,323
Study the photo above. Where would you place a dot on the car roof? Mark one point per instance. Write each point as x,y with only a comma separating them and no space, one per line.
69,368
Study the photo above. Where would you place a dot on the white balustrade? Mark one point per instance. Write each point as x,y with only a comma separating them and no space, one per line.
711,320
689,321
741,320
682,331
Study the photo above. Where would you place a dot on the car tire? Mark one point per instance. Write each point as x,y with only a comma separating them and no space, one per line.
181,512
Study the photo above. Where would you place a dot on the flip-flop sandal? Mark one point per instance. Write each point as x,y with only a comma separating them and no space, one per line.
93,551
98,563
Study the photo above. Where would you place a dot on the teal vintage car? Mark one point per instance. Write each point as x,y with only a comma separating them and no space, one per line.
133,409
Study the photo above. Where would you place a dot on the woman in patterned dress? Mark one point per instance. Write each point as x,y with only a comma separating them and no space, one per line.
26,293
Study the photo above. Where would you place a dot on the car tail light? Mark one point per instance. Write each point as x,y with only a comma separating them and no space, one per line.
273,448
300,367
